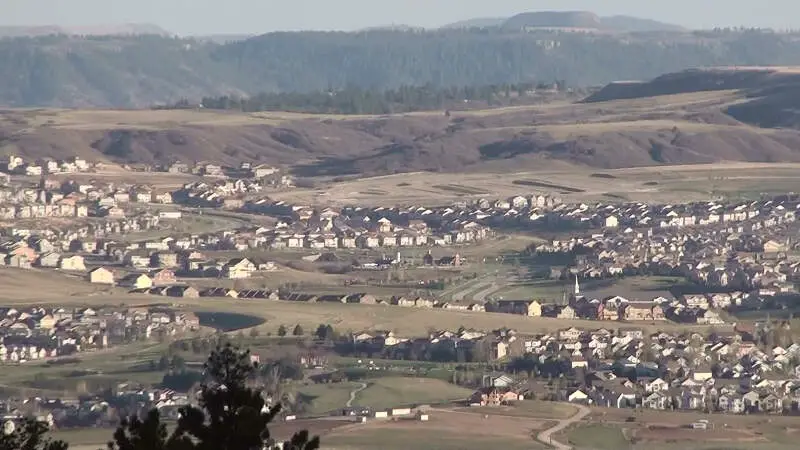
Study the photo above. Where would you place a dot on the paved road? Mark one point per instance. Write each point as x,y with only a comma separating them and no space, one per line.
545,436
353,394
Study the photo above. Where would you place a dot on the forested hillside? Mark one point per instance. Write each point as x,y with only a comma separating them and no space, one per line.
147,70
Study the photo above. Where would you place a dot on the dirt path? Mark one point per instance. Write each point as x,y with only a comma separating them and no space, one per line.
353,394
481,295
464,293
545,436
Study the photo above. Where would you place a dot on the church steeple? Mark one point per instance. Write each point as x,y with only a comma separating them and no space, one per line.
577,286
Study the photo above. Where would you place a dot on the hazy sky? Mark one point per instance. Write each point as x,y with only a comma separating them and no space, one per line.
259,16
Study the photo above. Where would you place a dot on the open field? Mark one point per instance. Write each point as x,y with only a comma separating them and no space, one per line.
97,438
26,286
652,184
387,392
608,429
90,369
469,153
327,397
446,430
597,437
404,321
55,288
85,438
528,408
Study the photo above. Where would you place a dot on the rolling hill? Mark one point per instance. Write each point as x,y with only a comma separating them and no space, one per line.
568,19
696,116
554,19
478,22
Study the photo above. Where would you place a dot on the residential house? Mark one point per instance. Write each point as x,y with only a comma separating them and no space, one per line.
101,275
72,263
136,281
238,268
163,277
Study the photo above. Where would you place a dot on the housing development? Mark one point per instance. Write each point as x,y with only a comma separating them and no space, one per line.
555,230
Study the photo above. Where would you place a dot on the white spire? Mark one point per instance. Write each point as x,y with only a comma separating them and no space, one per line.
577,286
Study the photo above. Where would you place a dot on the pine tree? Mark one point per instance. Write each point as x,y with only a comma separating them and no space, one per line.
230,416
135,434
322,332
298,330
30,435
282,331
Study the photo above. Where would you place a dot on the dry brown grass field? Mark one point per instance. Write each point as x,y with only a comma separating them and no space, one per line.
97,438
28,286
474,153
446,430
404,321
651,184
612,429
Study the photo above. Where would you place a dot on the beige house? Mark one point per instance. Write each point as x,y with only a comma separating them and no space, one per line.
567,312
772,246
137,281
643,311
47,322
74,263
239,268
101,275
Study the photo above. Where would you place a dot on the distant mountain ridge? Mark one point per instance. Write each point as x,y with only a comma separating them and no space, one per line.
479,22
146,70
568,19
87,30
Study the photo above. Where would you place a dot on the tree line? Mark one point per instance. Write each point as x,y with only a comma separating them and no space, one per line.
355,100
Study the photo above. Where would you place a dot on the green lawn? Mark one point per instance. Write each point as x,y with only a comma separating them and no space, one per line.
107,366
529,408
327,397
395,391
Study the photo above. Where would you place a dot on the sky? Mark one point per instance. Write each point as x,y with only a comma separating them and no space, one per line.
201,17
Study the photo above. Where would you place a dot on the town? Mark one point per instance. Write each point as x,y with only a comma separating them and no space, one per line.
532,298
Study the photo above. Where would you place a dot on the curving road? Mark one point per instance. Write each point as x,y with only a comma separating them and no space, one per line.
545,436
353,394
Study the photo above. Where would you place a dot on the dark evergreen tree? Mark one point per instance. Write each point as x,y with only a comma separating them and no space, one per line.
30,435
151,433
298,330
230,416
282,331
322,332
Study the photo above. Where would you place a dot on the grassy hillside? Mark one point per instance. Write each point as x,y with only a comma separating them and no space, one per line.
747,124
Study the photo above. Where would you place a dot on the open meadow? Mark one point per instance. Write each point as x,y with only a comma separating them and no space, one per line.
387,392
574,184
625,429
446,430
54,288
